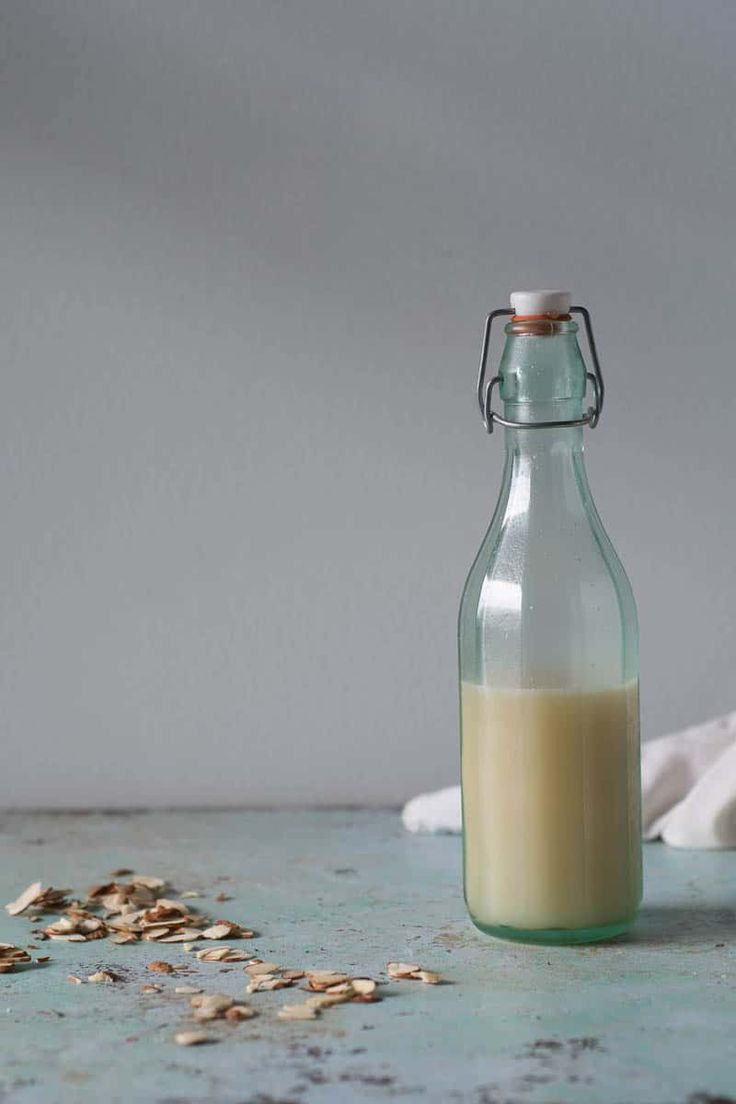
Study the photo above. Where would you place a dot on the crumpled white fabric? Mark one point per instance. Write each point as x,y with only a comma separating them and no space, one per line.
688,790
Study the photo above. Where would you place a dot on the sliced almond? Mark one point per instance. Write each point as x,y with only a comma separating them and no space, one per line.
239,1012
26,898
124,937
205,1015
302,1011
39,900
193,1038
409,971
429,977
218,1001
227,929
401,969
75,980
213,954
210,1006
326,1000
151,988
170,905
364,986
257,968
220,930
10,953
185,935
103,977
291,975
188,989
149,881
222,954
341,987
267,982
77,926
319,980
159,967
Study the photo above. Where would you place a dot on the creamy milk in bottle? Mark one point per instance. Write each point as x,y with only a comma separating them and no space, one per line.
548,661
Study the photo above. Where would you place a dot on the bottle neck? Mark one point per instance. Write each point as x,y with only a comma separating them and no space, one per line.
542,376
542,379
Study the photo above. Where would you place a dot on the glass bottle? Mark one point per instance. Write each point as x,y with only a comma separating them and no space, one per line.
548,648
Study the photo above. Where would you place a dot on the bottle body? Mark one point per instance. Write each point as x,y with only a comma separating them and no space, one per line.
548,645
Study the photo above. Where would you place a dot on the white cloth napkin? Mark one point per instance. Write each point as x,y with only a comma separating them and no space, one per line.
688,790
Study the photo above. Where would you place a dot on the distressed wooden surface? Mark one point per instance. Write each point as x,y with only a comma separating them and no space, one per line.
649,1020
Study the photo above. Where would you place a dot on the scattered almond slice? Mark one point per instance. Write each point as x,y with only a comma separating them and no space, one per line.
124,937
43,958
227,929
210,1006
151,988
159,967
364,986
239,1012
168,904
10,951
290,975
149,881
185,935
401,969
190,893
256,968
193,1038
77,926
189,989
42,900
267,982
219,931
408,971
302,1011
198,998
26,898
104,977
326,1000
429,977
12,956
75,980
222,954
319,980
341,987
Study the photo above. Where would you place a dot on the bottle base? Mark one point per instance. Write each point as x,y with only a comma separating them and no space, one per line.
556,936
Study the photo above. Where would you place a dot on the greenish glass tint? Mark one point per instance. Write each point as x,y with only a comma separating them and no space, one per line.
547,606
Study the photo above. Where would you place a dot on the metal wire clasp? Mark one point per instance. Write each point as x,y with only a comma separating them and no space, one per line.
485,390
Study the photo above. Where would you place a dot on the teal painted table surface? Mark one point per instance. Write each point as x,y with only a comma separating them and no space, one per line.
650,1019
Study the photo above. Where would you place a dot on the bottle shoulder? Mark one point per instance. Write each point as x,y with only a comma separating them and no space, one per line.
547,596
567,554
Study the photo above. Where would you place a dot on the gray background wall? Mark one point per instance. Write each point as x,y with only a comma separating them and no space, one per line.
246,252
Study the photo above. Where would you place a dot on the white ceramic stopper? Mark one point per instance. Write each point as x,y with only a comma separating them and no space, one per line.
541,302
